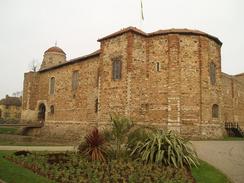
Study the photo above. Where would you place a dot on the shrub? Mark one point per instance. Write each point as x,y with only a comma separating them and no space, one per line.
120,129
165,148
22,153
135,136
94,147
57,158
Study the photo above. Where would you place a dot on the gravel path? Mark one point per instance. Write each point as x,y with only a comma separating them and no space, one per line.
227,156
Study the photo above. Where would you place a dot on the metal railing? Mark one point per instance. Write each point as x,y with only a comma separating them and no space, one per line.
233,129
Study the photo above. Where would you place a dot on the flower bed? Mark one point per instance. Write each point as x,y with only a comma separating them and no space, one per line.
72,167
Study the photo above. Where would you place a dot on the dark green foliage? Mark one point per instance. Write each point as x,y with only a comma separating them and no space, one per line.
57,158
8,130
120,128
165,148
78,169
137,135
22,153
94,146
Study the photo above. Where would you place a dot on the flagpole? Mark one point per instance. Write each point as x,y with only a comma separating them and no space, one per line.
141,15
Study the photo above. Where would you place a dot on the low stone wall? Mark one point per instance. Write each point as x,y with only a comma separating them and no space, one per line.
62,130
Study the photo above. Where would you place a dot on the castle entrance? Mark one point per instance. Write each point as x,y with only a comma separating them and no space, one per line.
41,113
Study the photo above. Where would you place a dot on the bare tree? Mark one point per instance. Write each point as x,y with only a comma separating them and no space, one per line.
34,65
17,94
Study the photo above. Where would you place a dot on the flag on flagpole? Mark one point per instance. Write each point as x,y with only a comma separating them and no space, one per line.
142,15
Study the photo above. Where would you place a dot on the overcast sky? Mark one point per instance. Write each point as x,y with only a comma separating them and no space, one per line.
29,27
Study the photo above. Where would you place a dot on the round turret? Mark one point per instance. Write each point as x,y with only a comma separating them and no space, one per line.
53,56
54,49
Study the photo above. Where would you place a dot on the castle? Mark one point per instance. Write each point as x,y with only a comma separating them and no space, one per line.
170,79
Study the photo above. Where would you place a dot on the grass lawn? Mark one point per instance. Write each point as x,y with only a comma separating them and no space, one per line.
208,174
8,130
233,138
12,173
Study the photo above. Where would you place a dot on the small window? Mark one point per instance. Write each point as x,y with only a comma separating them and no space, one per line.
52,109
75,80
117,68
212,72
158,66
52,86
96,106
215,111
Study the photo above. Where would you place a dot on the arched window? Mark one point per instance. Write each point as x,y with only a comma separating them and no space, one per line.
117,64
215,111
75,80
52,109
52,86
212,72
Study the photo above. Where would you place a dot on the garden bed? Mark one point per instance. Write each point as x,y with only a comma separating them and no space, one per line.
71,167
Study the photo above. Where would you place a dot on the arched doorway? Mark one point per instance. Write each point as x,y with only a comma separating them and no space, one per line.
41,113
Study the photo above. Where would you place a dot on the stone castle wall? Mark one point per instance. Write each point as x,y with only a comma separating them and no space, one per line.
74,111
233,94
178,97
165,82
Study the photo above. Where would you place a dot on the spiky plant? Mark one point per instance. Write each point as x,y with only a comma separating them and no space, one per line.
120,128
94,146
165,148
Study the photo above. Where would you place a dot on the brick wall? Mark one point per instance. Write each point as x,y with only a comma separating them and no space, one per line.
165,82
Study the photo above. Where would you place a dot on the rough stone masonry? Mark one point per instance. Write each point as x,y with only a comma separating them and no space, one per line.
170,79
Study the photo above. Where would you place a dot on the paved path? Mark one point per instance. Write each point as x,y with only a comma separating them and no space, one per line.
227,156
38,148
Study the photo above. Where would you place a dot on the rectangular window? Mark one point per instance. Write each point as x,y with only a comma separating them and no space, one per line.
158,66
75,80
52,86
212,73
117,69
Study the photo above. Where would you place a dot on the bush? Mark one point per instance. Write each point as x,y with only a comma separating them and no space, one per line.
121,127
135,136
94,147
165,148
22,153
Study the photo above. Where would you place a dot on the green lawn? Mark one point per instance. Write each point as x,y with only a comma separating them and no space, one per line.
12,173
208,174
233,138
8,130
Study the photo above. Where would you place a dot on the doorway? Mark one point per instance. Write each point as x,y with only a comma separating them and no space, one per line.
41,113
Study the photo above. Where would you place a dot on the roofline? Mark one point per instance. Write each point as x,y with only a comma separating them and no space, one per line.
72,61
162,32
122,31
241,74
227,75
234,75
